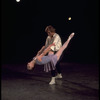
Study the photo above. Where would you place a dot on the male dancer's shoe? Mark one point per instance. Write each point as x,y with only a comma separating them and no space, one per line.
52,81
59,76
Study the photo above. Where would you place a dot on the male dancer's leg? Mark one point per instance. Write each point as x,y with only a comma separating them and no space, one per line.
53,72
58,67
58,54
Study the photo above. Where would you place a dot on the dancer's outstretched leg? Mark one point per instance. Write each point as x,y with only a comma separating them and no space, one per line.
58,54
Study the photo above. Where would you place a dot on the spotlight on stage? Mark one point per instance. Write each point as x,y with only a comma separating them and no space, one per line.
17,0
69,18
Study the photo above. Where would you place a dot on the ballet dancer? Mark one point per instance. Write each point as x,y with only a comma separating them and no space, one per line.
41,59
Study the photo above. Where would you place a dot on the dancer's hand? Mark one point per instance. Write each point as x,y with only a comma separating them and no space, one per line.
71,35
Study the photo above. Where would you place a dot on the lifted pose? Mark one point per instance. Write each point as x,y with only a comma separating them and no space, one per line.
41,59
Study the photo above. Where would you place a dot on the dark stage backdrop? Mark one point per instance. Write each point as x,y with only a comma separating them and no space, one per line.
23,26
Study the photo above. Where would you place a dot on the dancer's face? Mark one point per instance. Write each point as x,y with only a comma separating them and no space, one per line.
50,33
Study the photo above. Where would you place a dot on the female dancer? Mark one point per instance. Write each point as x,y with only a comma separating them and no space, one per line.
52,59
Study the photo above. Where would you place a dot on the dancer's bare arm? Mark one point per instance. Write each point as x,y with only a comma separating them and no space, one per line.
31,64
47,49
45,52
41,50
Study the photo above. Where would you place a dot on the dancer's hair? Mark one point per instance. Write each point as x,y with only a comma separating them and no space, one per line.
50,28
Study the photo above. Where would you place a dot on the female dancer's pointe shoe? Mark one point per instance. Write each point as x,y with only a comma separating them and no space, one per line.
71,35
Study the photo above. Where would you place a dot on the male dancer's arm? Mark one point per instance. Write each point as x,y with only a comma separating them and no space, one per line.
31,64
47,49
45,52
41,50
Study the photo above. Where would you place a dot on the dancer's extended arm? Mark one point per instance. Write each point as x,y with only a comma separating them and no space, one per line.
45,52
47,49
41,50
31,64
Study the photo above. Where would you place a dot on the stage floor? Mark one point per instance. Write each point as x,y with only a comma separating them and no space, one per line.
79,82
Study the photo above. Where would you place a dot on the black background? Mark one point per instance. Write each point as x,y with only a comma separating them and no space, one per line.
23,25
